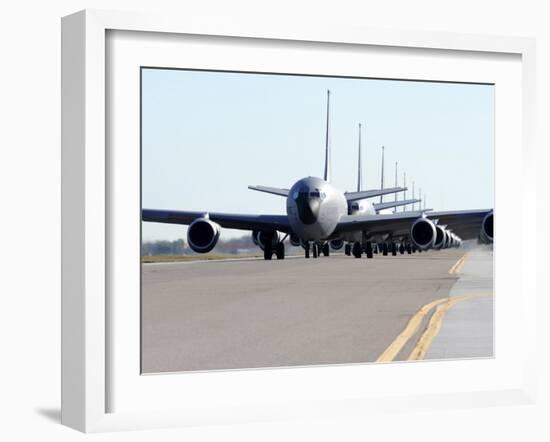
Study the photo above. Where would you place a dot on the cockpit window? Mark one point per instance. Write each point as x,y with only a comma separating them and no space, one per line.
306,194
317,194
355,206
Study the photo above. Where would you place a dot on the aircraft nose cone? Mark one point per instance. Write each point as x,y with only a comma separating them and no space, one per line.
308,208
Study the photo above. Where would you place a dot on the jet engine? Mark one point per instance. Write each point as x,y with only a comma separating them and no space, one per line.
202,235
440,238
423,233
337,244
447,243
264,237
455,240
294,240
486,234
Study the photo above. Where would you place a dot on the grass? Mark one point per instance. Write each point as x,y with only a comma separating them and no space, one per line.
184,258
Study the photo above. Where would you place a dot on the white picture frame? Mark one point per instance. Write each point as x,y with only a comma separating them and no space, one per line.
86,316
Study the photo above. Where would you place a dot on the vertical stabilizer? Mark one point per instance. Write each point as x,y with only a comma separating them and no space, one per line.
327,141
405,192
413,197
359,178
382,175
395,199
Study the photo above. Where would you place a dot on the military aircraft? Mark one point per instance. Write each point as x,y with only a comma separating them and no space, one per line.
318,213
356,242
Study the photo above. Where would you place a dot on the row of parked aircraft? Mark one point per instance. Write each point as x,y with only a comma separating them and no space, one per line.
320,216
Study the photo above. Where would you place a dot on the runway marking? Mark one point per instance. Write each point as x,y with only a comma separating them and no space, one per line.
457,267
434,326
398,343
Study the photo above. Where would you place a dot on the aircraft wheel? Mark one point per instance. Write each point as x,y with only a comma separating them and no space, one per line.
409,249
401,248
393,249
356,250
369,250
268,252
385,249
280,251
326,250
347,249
315,251
306,248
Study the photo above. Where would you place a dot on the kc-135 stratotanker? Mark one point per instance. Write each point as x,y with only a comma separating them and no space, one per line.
319,214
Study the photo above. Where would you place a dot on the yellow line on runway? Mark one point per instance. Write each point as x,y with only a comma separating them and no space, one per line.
398,343
457,267
395,347
436,321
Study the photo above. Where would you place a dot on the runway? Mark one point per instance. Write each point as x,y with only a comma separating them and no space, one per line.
332,310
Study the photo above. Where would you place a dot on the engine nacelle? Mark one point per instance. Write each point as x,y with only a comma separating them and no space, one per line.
486,234
423,233
203,235
265,237
440,237
337,244
254,235
448,239
455,240
294,240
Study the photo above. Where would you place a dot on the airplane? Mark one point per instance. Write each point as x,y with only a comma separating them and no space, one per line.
318,213
356,242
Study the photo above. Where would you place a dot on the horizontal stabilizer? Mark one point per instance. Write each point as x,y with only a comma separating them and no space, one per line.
354,196
273,190
391,204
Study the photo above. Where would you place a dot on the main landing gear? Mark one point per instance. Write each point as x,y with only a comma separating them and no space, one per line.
279,251
356,249
315,249
368,249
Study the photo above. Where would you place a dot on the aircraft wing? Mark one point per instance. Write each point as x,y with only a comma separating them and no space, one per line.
391,204
354,196
228,220
273,190
465,223
377,224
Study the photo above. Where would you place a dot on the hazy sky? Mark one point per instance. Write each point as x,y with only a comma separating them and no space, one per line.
207,135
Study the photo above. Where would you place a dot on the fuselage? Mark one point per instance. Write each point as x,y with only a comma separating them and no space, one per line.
362,207
314,208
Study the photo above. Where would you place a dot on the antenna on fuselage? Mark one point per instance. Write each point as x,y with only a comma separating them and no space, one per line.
382,176
359,178
327,141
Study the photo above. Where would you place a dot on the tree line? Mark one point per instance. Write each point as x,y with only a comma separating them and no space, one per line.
243,244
